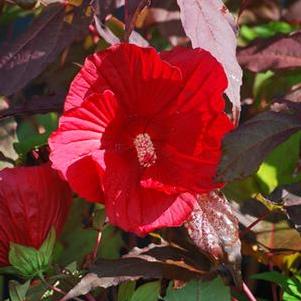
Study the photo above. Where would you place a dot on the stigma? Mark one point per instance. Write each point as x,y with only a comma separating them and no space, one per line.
146,153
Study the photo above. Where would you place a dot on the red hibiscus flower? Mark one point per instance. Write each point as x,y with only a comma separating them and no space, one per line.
32,200
145,129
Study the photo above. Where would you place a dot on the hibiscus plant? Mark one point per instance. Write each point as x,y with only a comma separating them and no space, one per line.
150,150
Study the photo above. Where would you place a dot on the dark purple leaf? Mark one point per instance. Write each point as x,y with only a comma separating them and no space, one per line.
106,7
36,105
50,33
143,268
132,10
7,138
292,204
259,11
247,146
155,261
26,4
165,16
280,52
293,13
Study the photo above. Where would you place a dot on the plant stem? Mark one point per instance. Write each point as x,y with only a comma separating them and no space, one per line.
126,21
56,289
6,159
248,229
247,292
89,297
97,245
273,285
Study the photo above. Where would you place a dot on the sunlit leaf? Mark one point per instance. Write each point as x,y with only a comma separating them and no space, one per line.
200,291
279,167
126,290
34,132
291,286
147,292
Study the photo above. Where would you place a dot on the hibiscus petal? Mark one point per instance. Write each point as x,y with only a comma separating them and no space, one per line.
175,172
85,177
190,119
75,146
137,209
142,82
203,78
197,134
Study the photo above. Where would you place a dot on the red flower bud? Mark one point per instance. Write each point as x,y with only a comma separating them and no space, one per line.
32,201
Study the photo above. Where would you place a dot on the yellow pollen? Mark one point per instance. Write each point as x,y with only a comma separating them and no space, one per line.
145,150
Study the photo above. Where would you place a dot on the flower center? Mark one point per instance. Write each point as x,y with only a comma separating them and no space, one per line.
145,150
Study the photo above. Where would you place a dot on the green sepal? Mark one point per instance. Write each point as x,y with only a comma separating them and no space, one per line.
17,291
30,262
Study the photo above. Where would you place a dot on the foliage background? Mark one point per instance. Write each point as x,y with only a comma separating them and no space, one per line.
43,46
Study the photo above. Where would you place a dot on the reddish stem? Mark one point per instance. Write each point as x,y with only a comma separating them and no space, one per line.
248,293
243,6
56,289
6,159
89,297
248,229
97,245
126,20
273,285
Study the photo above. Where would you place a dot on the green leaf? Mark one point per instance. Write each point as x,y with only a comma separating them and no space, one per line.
34,132
17,291
126,290
72,267
99,217
1,287
242,190
266,30
111,243
147,292
46,249
29,261
79,241
239,296
290,285
24,259
278,168
269,85
200,291
260,81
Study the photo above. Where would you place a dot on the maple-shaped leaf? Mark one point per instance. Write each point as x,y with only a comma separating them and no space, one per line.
214,230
